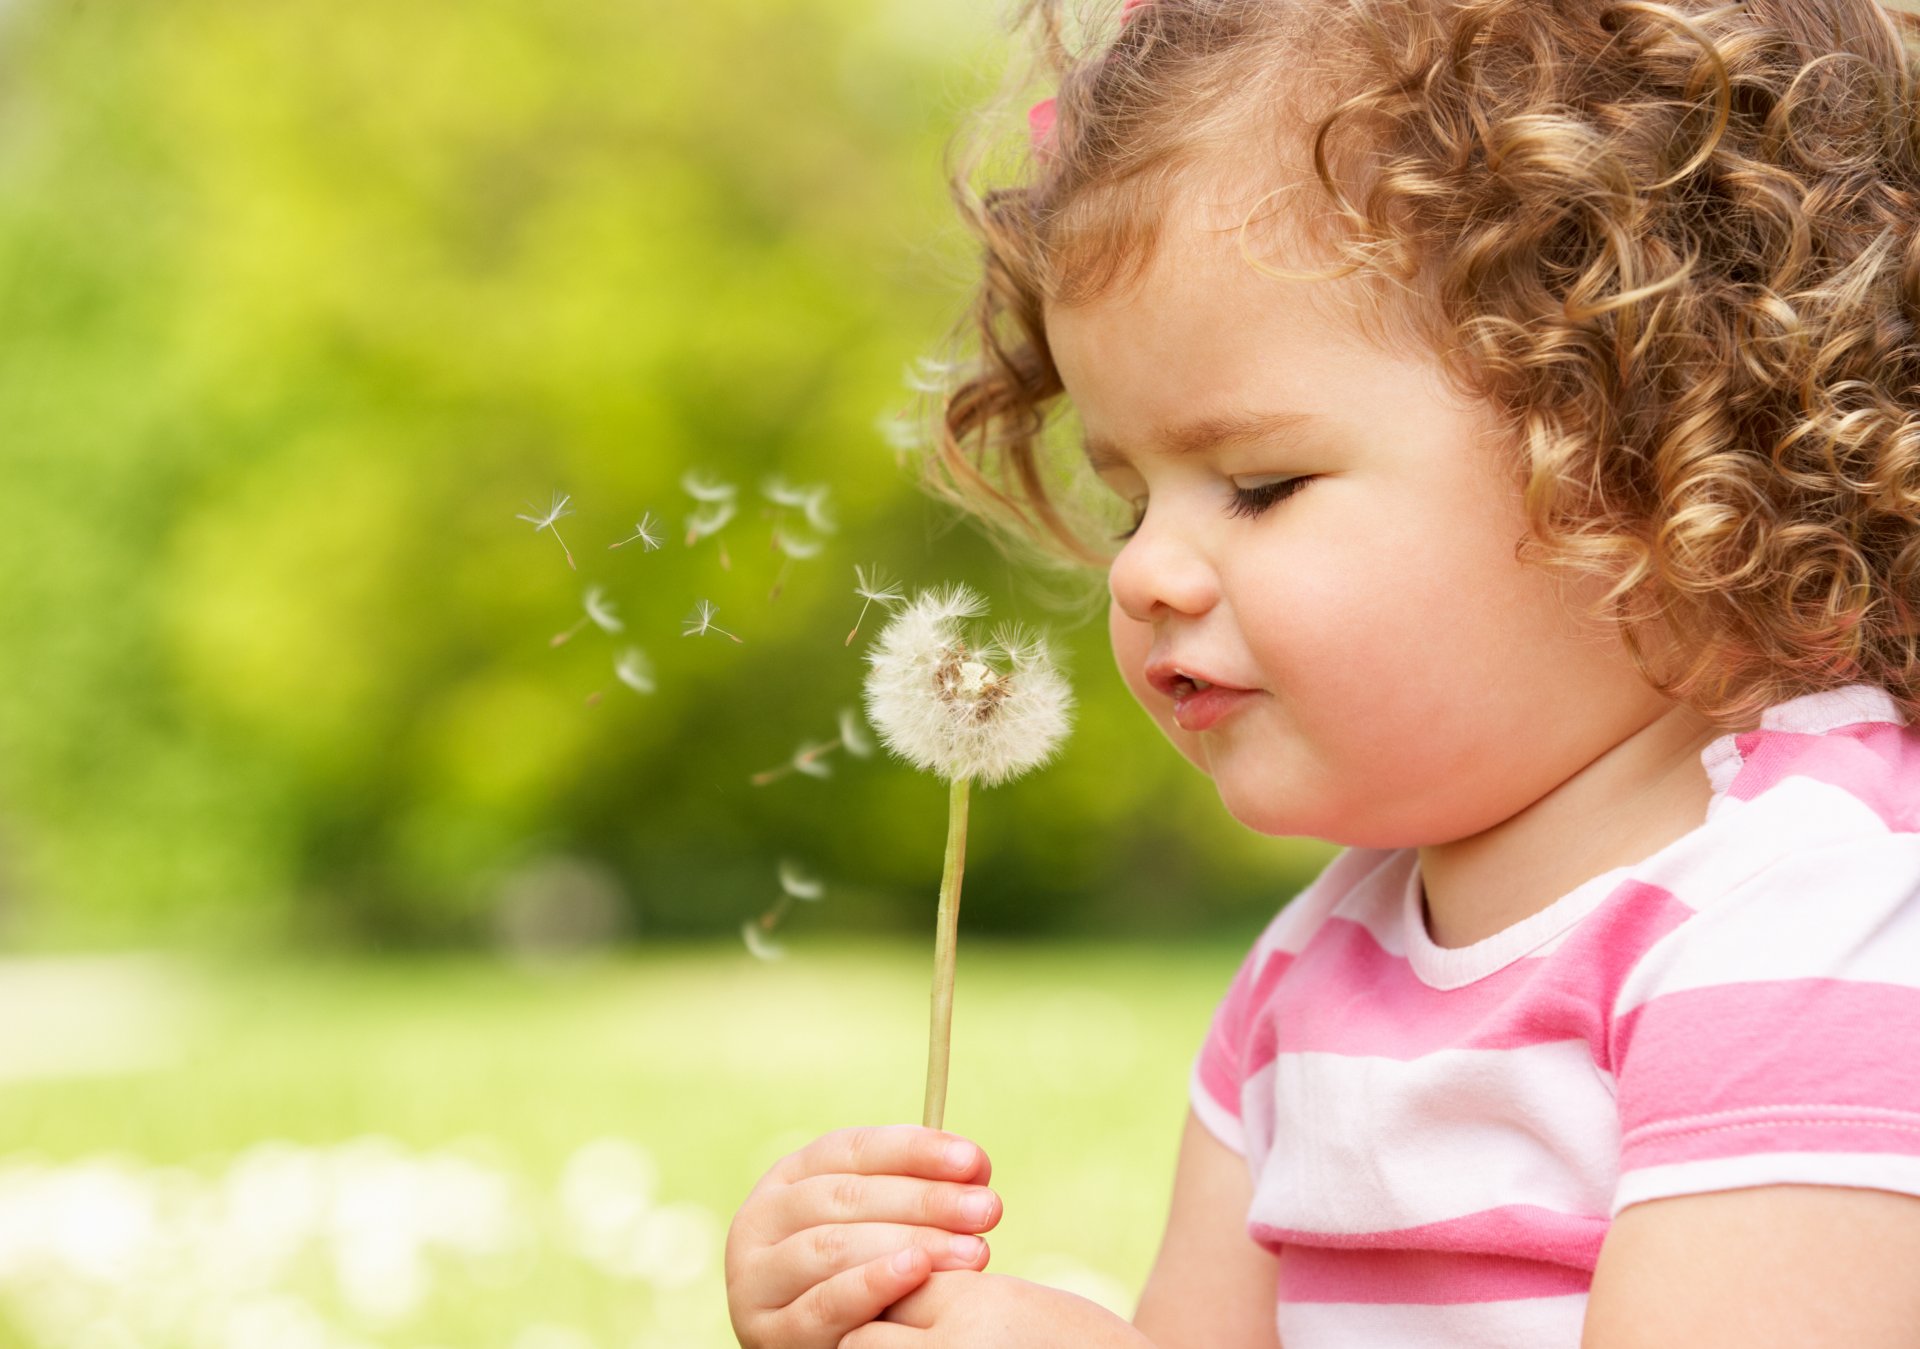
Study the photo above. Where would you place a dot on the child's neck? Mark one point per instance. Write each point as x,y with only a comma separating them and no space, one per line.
1636,798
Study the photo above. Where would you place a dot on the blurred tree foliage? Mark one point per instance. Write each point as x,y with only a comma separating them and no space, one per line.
304,301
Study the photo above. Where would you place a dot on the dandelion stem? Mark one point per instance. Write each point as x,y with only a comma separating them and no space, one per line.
946,943
857,622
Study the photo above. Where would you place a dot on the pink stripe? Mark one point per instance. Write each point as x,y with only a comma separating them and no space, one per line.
1405,1267
1876,761
1239,1018
1697,1053
1347,995
1790,1129
1421,1278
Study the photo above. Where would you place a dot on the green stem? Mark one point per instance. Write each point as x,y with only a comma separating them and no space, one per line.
946,943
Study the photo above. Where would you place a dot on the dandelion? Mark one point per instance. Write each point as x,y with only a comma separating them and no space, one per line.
874,589
600,612
808,758
634,670
815,509
643,531
753,932
800,886
700,622
783,493
963,711
556,511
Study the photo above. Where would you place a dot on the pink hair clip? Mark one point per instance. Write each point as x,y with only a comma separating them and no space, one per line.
1040,117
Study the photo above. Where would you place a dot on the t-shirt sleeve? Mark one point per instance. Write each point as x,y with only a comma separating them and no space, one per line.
1767,1038
1221,1065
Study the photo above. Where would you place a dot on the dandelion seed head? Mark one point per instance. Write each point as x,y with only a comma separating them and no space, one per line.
601,610
987,711
634,670
797,883
706,489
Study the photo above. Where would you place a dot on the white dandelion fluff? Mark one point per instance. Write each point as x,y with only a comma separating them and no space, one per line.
798,884
644,532
783,493
634,670
700,622
762,946
703,488
815,506
853,736
795,546
710,520
874,588
556,511
986,713
601,610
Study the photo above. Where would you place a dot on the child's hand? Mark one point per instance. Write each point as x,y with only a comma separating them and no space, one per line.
810,1253
966,1310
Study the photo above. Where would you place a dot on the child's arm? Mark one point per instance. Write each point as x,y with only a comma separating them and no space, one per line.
1801,1265
1211,1285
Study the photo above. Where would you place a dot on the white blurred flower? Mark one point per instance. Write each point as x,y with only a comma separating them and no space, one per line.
634,670
944,704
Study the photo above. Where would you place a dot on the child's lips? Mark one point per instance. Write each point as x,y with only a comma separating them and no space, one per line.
1201,709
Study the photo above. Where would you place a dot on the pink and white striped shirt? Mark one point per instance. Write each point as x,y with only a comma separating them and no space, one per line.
1439,1138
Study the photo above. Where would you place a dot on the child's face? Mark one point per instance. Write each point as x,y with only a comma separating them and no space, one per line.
1413,683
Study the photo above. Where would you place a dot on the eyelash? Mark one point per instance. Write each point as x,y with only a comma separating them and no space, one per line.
1246,501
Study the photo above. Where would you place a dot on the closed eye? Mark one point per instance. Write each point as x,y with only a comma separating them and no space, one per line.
1245,501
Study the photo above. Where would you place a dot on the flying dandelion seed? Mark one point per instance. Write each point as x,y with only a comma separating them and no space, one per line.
600,612
702,488
852,737
558,510
897,433
815,508
634,670
783,493
940,702
807,759
874,589
758,943
792,547
700,622
643,531
711,520
799,884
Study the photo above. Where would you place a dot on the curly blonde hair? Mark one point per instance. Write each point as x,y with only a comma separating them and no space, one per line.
1674,246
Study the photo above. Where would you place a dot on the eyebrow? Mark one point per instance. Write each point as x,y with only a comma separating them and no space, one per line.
1208,433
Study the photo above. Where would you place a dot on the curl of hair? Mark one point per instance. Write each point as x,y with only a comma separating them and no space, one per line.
1674,246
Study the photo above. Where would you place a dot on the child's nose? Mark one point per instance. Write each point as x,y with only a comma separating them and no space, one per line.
1160,570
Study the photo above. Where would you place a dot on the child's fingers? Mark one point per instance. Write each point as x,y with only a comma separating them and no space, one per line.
820,1201
889,1149
883,1335
826,1313
808,1258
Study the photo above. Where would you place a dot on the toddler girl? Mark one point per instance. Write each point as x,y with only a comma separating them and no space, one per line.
1518,404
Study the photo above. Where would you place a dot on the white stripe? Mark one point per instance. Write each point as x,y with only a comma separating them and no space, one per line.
1860,1170
1366,1143
1524,1323
1846,911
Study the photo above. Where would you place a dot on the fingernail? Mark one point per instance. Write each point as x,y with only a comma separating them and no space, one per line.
965,1248
903,1261
977,1207
959,1156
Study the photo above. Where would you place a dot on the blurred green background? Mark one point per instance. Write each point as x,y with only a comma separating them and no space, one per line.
330,886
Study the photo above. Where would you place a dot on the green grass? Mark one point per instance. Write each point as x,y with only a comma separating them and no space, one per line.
1069,1065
